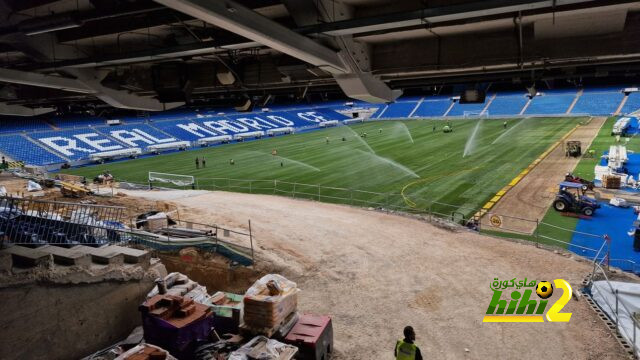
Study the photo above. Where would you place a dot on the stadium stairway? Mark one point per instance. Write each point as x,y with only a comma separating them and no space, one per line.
446,113
432,106
416,108
486,107
619,108
400,109
551,103
632,104
602,102
507,104
580,92
526,106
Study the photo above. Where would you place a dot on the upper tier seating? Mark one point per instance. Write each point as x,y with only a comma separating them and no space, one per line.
507,104
19,148
14,124
77,121
598,101
632,104
551,103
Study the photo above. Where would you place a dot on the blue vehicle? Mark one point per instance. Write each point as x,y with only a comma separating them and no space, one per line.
571,198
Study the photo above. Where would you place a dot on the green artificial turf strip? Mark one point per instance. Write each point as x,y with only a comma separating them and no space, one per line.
395,154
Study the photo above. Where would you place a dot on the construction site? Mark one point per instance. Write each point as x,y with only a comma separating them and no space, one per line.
315,180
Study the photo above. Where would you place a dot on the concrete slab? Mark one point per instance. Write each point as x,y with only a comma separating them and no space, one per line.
6,262
69,257
103,255
131,255
28,257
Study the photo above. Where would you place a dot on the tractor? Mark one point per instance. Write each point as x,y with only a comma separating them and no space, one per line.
573,149
586,184
571,198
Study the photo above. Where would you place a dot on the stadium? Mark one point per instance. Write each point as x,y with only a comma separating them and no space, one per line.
330,179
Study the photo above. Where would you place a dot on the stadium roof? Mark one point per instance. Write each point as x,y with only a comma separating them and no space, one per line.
154,55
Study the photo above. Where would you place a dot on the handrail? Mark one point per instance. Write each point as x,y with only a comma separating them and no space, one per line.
616,310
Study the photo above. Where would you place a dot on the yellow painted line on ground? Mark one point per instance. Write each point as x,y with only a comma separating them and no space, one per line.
520,176
488,205
495,198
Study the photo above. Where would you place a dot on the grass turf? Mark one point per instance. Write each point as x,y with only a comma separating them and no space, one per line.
396,157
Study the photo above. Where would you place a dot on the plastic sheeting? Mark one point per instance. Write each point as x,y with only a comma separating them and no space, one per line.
181,285
628,303
264,349
143,349
33,186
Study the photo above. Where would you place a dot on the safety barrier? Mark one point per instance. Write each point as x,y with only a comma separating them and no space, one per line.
39,222
616,309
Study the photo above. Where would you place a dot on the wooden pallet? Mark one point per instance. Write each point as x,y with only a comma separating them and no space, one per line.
284,325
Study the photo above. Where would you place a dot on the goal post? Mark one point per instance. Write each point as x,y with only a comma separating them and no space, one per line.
483,114
175,179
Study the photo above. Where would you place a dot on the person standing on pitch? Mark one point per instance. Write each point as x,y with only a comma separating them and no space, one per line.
197,163
406,349
504,124
434,127
204,163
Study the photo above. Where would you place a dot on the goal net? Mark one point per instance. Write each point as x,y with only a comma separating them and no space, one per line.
175,179
476,114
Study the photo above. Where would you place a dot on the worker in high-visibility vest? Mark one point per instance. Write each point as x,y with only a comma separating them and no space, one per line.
406,349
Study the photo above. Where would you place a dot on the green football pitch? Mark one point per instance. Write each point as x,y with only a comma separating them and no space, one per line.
464,168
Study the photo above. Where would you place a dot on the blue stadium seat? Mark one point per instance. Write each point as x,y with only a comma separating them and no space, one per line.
77,144
77,121
594,102
400,109
508,104
20,148
136,135
186,129
433,106
551,103
13,124
632,104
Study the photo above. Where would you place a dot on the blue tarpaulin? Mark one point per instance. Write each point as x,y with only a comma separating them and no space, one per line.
612,221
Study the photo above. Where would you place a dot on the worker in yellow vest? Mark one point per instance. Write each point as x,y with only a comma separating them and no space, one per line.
406,349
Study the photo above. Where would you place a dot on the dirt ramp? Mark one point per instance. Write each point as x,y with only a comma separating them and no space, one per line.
375,273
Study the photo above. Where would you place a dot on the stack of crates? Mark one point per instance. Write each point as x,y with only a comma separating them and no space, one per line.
611,182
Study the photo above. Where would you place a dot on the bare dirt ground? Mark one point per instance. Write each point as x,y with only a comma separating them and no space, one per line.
533,195
374,273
